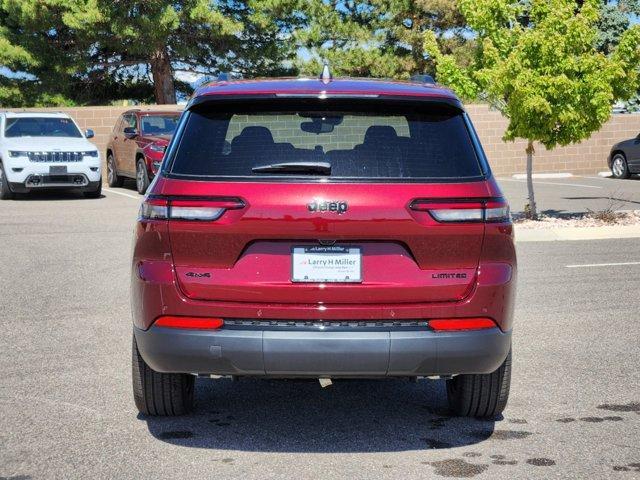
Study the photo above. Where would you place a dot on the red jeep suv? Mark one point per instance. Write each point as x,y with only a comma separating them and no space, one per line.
137,144
323,228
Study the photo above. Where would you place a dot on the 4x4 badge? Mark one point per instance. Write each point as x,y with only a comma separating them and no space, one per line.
198,275
337,206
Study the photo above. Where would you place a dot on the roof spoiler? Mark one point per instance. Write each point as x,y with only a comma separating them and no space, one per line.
423,78
228,76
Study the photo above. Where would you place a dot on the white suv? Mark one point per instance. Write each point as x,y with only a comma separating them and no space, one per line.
46,150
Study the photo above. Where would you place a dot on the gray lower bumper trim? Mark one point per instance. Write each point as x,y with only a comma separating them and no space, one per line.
313,354
26,188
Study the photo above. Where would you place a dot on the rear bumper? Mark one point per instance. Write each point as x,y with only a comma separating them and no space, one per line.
289,353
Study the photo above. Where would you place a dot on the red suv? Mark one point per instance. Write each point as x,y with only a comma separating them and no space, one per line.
137,144
323,229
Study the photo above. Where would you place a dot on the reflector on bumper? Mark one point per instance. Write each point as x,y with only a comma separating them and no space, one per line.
456,324
189,323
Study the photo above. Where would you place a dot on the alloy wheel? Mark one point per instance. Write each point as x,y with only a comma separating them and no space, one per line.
618,166
140,177
110,172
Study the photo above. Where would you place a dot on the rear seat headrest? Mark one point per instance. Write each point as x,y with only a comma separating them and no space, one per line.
257,135
380,133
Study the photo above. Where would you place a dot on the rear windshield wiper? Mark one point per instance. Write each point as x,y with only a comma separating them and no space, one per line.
321,168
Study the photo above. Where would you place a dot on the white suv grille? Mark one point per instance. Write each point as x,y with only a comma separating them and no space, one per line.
55,157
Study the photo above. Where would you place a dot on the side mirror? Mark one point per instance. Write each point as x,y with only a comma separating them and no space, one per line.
88,133
130,132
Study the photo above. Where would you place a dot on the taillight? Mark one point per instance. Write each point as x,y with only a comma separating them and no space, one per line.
497,211
154,209
190,323
457,324
195,210
204,210
464,210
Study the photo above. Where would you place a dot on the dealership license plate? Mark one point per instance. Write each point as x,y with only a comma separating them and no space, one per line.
326,264
57,169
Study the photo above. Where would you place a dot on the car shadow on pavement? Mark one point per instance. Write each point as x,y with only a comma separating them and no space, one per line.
300,416
52,195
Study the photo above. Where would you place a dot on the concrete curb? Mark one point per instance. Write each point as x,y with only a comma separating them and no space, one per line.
576,233
606,174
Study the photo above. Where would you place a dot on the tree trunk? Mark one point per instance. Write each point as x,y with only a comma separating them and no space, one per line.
162,72
532,199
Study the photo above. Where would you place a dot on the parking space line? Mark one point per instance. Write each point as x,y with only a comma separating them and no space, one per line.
587,265
135,197
551,183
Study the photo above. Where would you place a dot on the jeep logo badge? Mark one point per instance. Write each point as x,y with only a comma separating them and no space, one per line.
338,207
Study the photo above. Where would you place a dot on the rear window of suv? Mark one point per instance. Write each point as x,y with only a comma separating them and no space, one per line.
402,143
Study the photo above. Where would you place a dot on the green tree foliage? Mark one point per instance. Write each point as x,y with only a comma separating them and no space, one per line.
158,34
544,73
89,51
615,19
379,38
29,45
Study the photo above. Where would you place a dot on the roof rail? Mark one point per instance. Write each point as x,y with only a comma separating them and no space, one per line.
423,78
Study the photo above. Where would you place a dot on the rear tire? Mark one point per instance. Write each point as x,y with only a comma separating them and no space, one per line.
142,177
619,167
112,173
5,189
480,395
160,394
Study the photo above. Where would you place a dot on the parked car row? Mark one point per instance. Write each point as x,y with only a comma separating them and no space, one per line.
328,229
49,151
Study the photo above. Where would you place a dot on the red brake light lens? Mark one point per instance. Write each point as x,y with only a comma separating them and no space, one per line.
458,324
190,323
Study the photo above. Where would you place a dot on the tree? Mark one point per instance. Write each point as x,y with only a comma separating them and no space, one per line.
615,18
379,38
541,68
88,51
264,47
37,52
164,36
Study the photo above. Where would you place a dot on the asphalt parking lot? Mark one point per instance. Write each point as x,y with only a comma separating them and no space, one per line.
67,408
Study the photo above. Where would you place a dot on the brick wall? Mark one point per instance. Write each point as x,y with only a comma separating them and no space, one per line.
587,157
